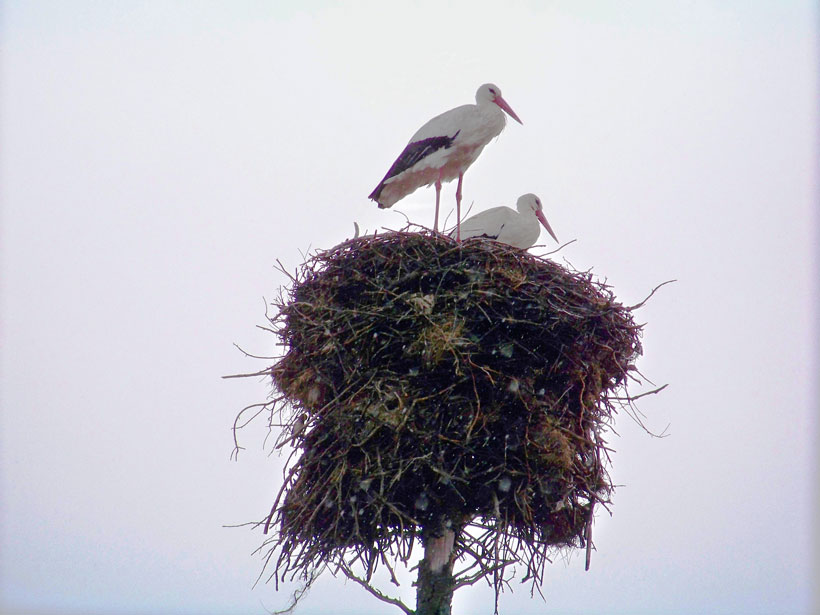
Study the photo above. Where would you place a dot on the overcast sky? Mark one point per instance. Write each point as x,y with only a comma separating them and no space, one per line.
157,158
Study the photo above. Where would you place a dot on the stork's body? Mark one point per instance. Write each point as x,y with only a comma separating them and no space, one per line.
516,228
444,148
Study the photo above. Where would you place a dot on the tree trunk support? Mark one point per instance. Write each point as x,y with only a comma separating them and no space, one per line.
435,584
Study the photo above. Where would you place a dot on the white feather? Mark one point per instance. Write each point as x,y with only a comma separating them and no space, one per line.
520,228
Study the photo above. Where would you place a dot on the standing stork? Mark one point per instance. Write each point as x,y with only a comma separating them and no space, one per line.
519,229
444,148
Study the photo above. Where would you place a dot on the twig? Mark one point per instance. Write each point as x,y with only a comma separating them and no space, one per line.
261,372
383,597
559,248
638,305
635,397
253,356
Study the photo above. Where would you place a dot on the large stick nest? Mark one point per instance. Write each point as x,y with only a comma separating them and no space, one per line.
428,382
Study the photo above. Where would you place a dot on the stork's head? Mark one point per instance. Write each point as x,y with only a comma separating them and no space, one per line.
489,92
528,205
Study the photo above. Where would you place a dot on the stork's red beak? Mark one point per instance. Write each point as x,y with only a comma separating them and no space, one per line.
503,104
540,215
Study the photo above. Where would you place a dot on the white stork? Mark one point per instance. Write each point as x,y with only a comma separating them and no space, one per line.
444,148
519,229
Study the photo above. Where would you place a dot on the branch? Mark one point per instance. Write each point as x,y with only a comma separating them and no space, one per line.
638,305
281,268
252,356
483,572
559,248
588,530
263,372
298,594
634,397
236,426
383,597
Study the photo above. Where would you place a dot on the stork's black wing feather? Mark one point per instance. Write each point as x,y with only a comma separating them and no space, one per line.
487,235
498,234
415,151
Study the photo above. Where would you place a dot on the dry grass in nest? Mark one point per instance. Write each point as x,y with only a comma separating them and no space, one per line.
466,384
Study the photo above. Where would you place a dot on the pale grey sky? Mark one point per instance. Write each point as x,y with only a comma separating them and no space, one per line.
156,158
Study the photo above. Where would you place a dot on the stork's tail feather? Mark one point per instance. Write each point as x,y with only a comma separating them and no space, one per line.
375,196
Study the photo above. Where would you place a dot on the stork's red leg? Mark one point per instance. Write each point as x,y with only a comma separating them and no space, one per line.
458,207
438,196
